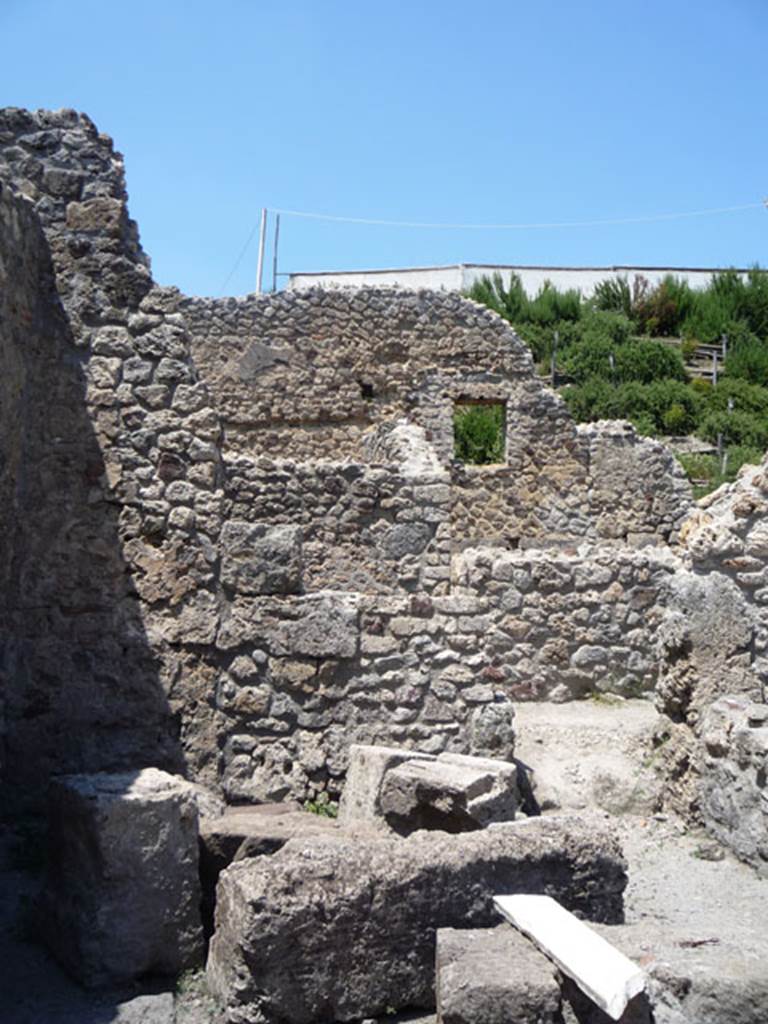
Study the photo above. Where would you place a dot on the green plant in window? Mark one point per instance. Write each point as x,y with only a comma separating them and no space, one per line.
478,432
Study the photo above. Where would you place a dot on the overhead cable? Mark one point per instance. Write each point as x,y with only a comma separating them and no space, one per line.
647,219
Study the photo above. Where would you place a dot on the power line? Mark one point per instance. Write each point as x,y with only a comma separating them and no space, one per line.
238,261
648,219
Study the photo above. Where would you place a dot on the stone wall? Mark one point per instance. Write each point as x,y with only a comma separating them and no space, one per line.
361,528
713,640
561,626
233,529
79,679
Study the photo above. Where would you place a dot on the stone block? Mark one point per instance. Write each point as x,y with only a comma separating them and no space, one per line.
454,793
250,831
328,627
260,559
122,896
493,976
343,929
361,800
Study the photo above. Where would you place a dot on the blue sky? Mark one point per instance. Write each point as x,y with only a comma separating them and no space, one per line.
445,112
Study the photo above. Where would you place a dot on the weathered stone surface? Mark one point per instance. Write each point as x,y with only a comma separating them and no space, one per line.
368,765
122,895
344,929
250,831
590,754
259,559
453,793
690,981
733,785
493,976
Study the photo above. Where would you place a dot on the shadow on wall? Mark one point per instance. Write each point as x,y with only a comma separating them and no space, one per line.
81,689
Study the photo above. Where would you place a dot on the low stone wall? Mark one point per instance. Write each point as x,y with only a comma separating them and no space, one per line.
431,673
565,625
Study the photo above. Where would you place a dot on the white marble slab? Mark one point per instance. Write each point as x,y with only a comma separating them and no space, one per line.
608,977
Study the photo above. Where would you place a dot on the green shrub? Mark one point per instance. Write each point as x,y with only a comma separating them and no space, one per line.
675,419
706,471
736,428
662,395
742,395
588,401
701,386
511,301
644,424
689,347
641,361
748,360
478,434
614,295
540,339
662,310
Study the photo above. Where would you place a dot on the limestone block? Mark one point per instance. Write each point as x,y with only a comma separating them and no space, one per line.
342,929
493,976
122,898
454,793
361,800
260,559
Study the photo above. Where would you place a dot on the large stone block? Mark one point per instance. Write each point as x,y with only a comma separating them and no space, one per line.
251,831
341,929
261,559
494,976
122,897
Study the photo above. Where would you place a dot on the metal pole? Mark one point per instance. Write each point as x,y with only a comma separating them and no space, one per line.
714,368
274,252
262,243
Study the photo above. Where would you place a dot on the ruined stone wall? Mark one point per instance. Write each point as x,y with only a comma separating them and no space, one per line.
713,641
236,557
79,683
309,375
564,625
306,374
114,476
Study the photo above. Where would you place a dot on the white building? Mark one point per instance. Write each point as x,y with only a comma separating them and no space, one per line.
461,276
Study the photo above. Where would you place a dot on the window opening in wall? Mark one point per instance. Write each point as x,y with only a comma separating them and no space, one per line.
479,432
366,390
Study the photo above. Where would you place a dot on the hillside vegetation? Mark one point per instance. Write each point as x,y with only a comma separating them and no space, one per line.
610,351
